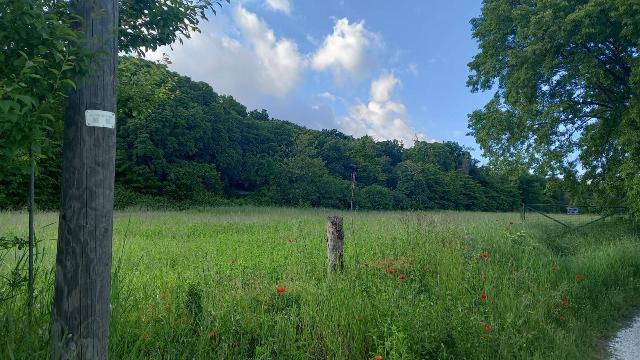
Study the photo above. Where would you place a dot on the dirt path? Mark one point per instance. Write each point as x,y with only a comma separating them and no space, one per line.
626,344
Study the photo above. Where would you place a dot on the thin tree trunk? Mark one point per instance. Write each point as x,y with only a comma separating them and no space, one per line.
335,244
353,188
81,308
32,210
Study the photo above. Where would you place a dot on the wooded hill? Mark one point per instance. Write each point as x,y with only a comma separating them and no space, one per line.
180,144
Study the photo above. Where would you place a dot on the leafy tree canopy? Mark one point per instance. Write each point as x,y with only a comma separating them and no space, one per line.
146,24
38,60
565,76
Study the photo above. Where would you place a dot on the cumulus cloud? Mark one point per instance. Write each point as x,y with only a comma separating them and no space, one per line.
382,118
382,87
345,50
280,60
249,62
280,5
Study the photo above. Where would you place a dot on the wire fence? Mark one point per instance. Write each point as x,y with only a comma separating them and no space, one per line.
571,217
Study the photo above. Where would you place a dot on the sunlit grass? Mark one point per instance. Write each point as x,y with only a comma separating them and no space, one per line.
203,284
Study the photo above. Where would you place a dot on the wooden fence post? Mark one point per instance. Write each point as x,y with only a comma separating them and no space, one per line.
335,244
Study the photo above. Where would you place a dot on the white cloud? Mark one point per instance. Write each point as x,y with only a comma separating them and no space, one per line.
382,87
240,56
327,95
382,118
280,62
345,50
279,5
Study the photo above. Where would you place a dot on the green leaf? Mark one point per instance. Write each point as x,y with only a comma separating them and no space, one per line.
27,100
48,117
69,83
5,105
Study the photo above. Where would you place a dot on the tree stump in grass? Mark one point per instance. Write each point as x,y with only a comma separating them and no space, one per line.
335,244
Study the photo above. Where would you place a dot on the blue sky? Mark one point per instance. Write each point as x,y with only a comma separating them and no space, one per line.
389,69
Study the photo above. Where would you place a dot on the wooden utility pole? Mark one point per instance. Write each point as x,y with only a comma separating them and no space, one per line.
81,308
335,244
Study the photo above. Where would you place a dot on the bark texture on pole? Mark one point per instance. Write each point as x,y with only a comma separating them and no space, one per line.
335,244
81,308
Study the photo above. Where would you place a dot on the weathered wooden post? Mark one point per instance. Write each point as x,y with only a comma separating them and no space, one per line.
335,244
81,306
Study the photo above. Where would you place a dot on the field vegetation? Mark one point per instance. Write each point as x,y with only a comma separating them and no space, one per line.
245,282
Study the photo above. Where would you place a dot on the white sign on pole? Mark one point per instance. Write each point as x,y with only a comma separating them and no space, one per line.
100,118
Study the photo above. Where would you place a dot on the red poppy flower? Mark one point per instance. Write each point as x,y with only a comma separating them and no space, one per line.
484,254
402,276
281,290
562,318
487,328
378,357
579,277
564,302
483,296
212,333
391,270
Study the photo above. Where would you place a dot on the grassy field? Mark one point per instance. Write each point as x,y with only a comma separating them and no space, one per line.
434,285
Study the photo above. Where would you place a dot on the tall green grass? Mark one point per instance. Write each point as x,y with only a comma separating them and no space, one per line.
202,285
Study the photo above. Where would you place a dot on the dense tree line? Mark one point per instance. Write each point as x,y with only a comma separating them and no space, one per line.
179,142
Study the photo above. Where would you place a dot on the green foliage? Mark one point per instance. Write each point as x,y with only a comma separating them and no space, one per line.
424,184
378,197
146,25
142,86
180,144
14,175
14,279
38,62
191,180
444,155
565,81
368,161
